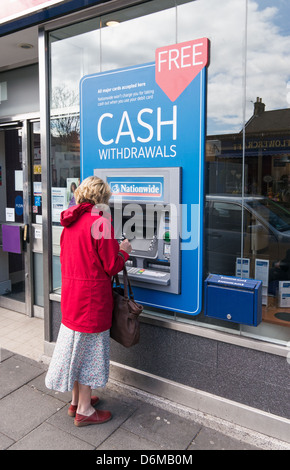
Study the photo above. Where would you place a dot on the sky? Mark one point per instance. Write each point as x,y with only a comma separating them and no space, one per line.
267,54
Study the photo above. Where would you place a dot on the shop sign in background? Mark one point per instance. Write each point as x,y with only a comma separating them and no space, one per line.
153,116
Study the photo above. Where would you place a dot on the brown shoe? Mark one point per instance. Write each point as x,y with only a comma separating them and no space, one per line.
98,417
73,408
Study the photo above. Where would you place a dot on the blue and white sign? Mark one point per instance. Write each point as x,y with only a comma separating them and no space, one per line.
128,120
136,188
19,205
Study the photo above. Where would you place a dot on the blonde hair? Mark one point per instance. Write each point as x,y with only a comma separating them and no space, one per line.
93,190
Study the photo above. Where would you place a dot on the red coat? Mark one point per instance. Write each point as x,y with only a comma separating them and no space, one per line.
87,265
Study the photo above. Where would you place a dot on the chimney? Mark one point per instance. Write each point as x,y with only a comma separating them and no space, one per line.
259,107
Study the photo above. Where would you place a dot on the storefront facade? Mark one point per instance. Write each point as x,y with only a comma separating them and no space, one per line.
231,370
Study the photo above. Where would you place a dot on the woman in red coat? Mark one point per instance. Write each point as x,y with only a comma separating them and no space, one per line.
90,256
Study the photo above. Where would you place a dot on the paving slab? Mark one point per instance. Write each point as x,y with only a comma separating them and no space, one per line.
167,430
48,437
96,434
15,372
4,354
210,439
24,410
122,439
39,383
5,441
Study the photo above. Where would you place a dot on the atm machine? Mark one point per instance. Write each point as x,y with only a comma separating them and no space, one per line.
145,207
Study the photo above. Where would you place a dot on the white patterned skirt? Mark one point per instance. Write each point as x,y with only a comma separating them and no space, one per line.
82,357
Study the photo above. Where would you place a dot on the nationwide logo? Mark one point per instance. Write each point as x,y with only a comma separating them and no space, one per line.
147,189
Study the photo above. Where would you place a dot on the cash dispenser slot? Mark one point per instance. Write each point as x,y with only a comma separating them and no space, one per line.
158,266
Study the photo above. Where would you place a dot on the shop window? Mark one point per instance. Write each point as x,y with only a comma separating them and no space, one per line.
248,139
249,165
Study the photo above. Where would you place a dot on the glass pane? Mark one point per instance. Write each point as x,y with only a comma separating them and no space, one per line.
140,31
223,23
38,278
267,150
36,174
134,40
12,283
262,163
36,211
75,52
223,234
81,42
252,227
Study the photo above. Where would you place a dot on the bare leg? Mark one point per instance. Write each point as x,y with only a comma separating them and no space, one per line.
84,403
75,394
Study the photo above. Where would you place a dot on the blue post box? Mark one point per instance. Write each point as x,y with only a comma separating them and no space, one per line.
233,299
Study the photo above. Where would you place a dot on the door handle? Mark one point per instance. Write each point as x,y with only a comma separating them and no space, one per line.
26,233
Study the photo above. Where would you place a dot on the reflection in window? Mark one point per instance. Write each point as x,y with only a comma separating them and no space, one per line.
36,173
253,159
274,213
223,23
248,119
134,40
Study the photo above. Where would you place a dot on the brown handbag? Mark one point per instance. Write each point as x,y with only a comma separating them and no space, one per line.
125,327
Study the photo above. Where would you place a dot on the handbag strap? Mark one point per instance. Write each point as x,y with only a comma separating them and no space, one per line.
127,284
115,279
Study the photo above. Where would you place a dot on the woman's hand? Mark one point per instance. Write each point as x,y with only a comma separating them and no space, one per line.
125,245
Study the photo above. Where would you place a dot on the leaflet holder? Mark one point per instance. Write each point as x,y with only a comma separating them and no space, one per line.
233,299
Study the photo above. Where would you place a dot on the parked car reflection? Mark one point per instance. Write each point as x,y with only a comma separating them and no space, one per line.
264,225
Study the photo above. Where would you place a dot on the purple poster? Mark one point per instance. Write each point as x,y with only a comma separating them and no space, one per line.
11,238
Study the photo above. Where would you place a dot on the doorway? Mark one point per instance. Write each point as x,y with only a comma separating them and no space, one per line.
19,147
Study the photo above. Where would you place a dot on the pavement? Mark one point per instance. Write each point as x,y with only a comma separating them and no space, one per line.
35,418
